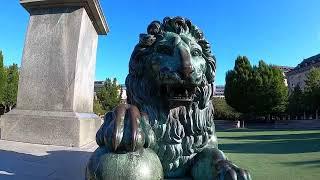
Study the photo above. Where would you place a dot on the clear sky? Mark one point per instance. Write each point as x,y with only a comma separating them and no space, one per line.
281,32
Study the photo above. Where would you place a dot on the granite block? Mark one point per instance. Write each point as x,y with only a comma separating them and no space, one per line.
56,84
50,127
58,64
92,7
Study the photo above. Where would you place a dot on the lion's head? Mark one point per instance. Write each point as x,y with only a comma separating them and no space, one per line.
171,74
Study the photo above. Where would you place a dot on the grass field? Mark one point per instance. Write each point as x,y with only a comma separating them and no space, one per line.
274,154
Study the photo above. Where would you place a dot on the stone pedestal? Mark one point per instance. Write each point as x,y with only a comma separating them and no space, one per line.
55,94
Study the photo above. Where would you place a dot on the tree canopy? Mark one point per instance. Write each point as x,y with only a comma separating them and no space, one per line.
258,90
9,79
237,88
312,89
296,101
2,78
109,96
11,87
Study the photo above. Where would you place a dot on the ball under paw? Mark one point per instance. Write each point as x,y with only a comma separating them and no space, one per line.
143,164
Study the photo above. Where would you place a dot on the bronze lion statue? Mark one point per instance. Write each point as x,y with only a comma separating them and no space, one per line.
169,115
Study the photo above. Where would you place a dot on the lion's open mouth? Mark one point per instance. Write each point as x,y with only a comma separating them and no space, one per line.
178,93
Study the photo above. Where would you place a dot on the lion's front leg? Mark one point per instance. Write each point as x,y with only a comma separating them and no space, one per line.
212,164
125,140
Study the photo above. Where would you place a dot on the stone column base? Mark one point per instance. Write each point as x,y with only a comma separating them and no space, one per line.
50,127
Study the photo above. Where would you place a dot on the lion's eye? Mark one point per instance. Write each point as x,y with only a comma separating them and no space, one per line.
164,50
196,52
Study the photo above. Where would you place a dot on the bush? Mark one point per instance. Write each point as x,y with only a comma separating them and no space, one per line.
97,108
223,111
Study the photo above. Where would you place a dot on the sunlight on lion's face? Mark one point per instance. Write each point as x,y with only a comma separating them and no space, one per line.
177,67
167,60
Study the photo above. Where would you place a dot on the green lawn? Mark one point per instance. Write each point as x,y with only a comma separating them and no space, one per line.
274,154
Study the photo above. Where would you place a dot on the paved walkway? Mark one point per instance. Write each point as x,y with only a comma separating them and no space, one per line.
24,161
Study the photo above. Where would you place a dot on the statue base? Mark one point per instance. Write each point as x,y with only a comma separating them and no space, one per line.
50,127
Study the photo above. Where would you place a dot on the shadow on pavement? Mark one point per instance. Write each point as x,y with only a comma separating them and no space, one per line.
52,165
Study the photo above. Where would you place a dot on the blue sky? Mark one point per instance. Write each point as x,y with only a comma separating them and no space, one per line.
279,32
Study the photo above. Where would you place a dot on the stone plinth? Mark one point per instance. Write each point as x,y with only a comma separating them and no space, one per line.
55,94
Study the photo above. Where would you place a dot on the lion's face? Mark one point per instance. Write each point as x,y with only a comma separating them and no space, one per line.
177,67
178,59
178,64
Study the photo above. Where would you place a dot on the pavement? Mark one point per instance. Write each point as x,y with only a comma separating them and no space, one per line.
24,161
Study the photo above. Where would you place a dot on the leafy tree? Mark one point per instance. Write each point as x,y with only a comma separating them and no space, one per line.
237,88
258,90
278,92
296,101
270,92
97,108
312,89
11,88
223,111
109,95
2,79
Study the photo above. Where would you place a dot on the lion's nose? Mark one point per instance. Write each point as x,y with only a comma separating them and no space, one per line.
186,66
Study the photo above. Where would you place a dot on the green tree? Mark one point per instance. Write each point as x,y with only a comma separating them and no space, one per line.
109,95
11,88
279,92
296,101
238,87
2,79
312,90
97,108
269,90
258,90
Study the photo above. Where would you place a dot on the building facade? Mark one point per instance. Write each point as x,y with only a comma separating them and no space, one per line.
298,75
219,91
285,70
122,91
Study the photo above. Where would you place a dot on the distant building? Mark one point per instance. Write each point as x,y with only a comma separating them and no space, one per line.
97,86
297,76
122,91
219,91
285,70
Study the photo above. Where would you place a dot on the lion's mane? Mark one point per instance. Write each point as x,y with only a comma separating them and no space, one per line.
182,131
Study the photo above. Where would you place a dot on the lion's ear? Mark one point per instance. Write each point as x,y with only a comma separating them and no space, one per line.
210,72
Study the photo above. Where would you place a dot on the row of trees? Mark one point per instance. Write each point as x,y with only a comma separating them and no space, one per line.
256,90
9,78
307,101
108,97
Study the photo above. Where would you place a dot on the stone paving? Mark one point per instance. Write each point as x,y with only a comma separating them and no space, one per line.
24,161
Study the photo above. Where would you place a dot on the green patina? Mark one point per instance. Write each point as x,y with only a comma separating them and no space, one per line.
169,110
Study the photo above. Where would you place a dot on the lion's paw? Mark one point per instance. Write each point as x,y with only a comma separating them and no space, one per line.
125,129
229,171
